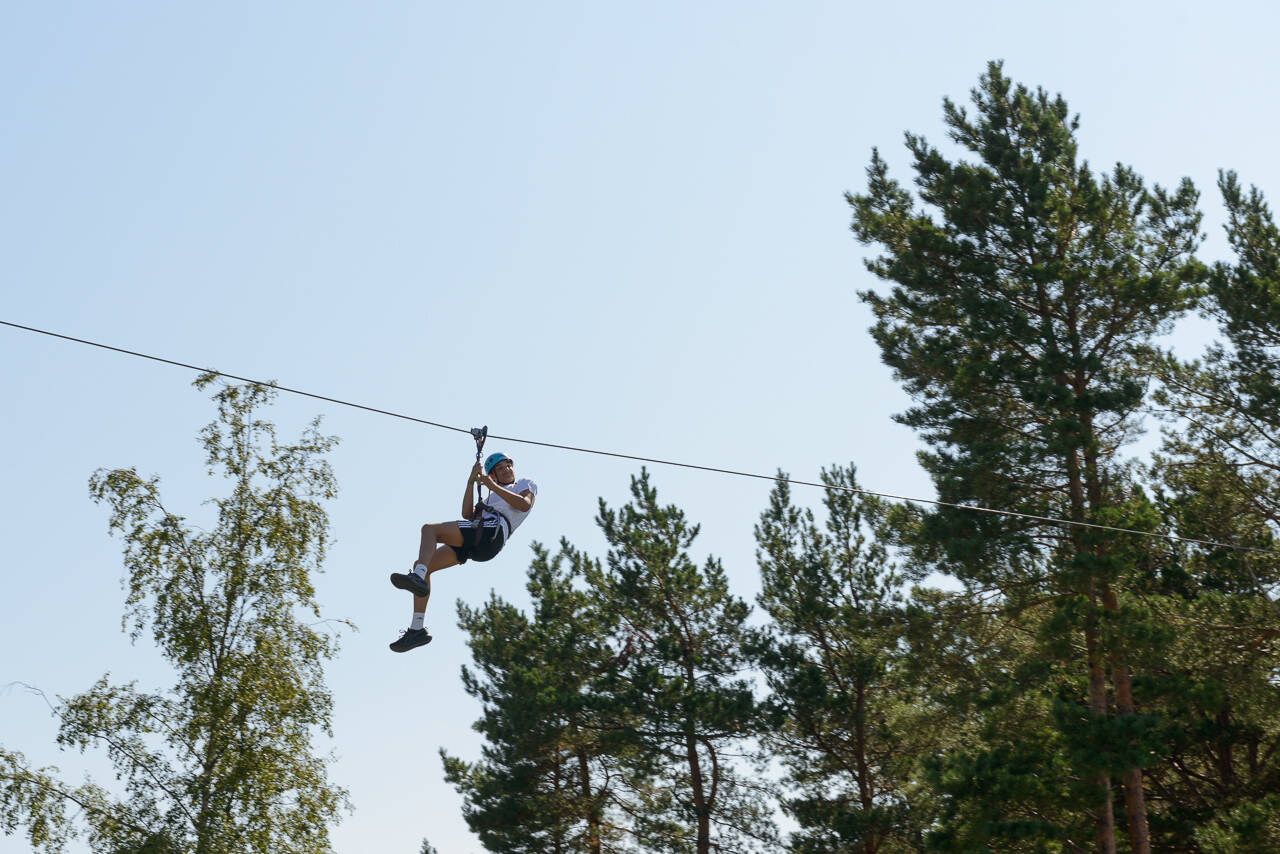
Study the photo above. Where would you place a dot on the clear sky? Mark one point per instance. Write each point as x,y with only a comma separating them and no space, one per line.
618,226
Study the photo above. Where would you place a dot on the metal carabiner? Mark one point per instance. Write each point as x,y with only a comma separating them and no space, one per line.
479,434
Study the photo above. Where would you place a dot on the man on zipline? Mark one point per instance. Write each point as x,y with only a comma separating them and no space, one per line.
478,536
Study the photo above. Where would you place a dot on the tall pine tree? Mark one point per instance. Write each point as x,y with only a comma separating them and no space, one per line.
618,716
553,759
1027,291
1219,476
685,684
853,722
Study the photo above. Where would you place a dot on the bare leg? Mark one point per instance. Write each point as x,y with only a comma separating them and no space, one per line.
436,553
442,558
434,534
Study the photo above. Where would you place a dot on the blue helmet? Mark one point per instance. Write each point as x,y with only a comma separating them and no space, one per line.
493,459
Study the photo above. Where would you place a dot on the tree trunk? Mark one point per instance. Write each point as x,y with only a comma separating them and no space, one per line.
1226,761
593,810
1105,821
1135,800
1104,818
866,794
699,796
700,806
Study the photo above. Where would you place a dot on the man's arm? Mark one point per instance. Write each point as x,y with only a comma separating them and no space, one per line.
469,497
522,501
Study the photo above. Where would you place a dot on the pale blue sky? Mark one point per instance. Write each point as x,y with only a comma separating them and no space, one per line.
613,226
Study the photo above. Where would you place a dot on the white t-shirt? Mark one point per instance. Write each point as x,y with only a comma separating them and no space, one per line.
513,516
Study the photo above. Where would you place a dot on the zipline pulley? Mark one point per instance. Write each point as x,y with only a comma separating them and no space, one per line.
479,434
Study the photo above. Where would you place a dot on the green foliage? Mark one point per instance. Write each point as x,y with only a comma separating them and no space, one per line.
616,716
550,772
853,724
1249,828
1219,473
1026,295
222,762
1224,411
685,684
1246,299
1211,676
1004,774
32,798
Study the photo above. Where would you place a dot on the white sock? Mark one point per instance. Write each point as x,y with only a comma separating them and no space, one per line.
418,617
420,570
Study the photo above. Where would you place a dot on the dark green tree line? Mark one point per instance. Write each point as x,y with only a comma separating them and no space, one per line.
1075,689
687,680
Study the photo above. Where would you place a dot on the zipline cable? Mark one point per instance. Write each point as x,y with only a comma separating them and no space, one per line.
232,376
733,472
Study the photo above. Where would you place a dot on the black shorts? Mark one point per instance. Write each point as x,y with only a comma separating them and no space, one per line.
481,541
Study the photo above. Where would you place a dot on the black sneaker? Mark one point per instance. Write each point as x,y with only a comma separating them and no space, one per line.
415,585
410,639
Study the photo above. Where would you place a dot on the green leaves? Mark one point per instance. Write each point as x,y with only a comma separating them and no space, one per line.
1026,292
1072,689
1025,288
551,765
834,659
616,716
222,761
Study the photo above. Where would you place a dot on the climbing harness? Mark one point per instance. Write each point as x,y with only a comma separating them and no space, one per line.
480,507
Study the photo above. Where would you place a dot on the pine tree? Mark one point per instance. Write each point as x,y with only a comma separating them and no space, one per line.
854,725
1219,477
548,773
1226,407
1026,295
684,685
222,762
616,716
1002,778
